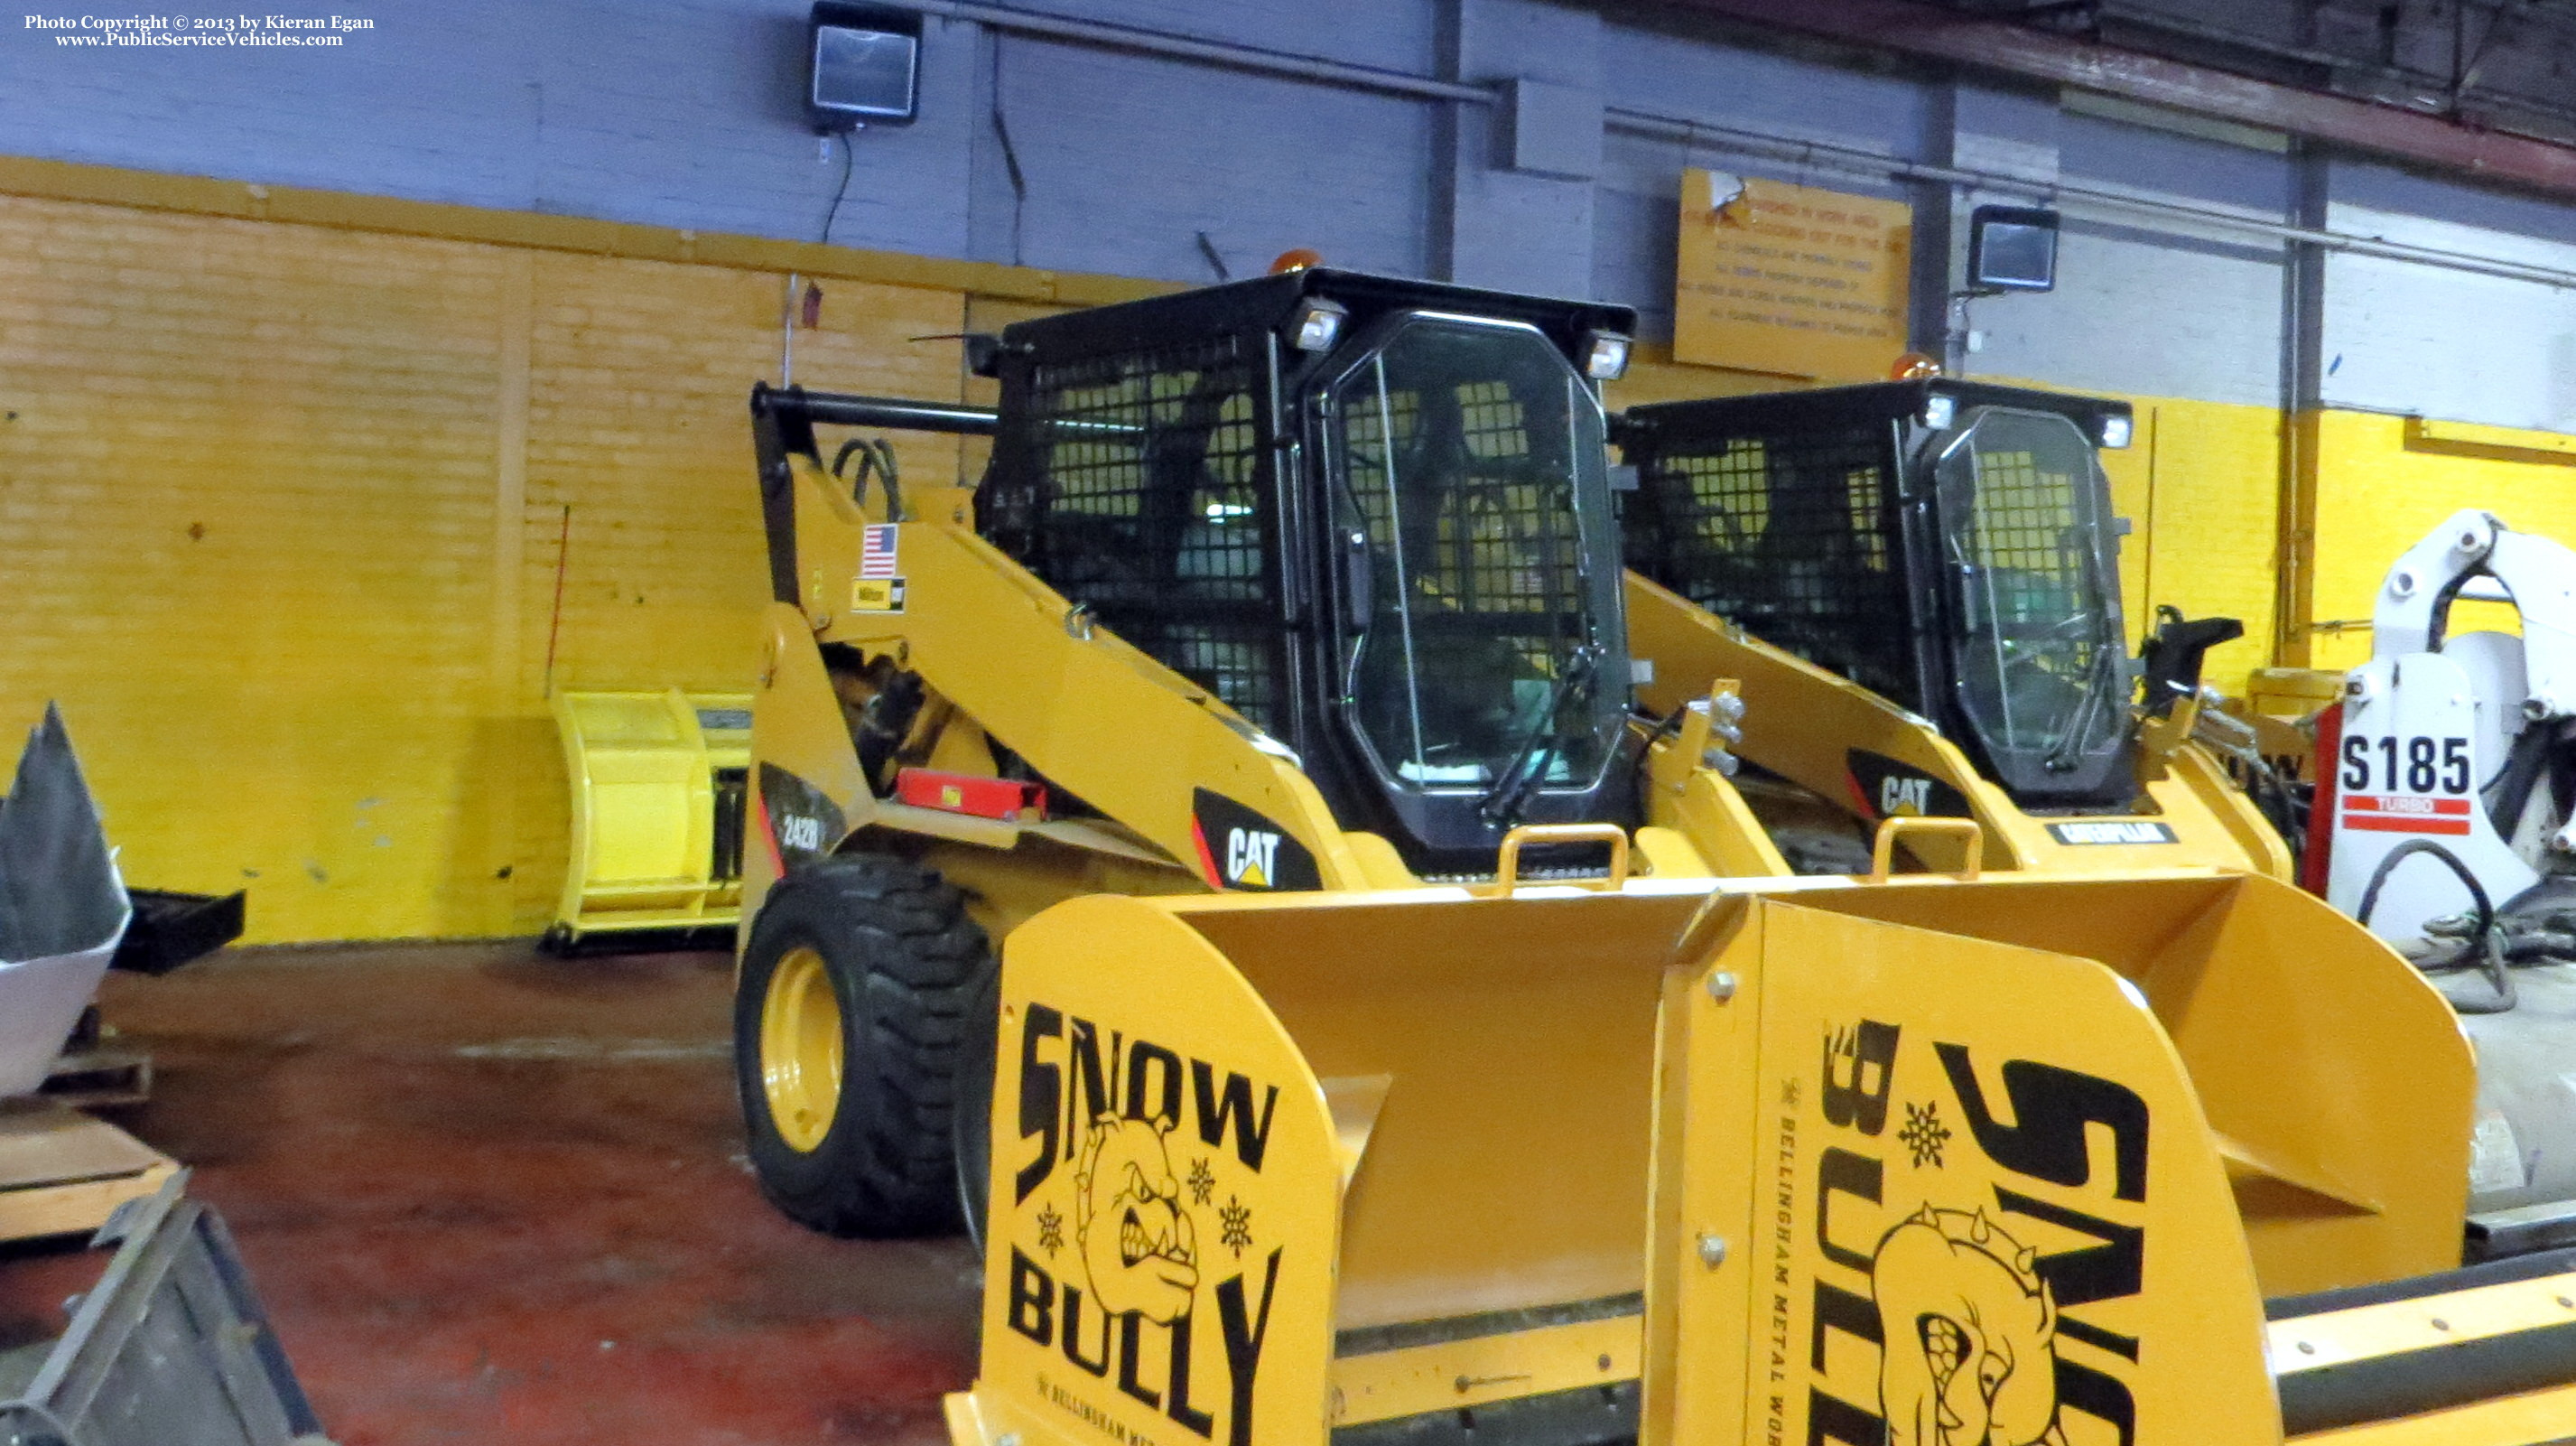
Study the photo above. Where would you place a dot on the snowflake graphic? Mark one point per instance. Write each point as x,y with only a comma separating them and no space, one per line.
1924,1134
1202,1181
1050,1230
1236,1217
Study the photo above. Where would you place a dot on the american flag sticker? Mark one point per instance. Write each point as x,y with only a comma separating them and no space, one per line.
876,551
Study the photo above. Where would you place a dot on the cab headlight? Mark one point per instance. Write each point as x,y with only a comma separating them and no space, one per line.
1605,356
1319,325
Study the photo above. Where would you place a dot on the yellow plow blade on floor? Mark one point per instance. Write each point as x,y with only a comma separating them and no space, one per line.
1926,1161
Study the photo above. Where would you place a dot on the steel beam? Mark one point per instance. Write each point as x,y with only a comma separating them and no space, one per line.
1933,33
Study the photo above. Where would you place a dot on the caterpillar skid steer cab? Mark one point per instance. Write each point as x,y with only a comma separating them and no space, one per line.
1305,582
1917,586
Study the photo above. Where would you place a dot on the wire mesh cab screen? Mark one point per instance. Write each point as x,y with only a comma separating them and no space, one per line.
1946,544
1145,501
1370,514
1790,534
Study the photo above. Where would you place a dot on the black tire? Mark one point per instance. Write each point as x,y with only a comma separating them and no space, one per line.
903,961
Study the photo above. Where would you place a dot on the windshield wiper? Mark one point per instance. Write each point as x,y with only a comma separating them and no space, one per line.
2079,729
1503,803
2061,759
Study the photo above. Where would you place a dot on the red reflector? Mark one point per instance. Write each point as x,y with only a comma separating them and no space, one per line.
1007,799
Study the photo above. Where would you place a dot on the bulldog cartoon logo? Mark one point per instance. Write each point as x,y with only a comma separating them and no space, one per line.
1110,1278
1970,1331
1137,1243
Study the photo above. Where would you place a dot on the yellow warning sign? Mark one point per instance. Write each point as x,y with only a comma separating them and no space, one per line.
876,595
1790,279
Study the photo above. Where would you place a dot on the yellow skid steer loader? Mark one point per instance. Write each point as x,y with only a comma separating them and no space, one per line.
2037,1158
1307,582
1916,586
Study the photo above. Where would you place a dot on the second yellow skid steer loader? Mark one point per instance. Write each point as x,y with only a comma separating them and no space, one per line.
1306,582
1916,585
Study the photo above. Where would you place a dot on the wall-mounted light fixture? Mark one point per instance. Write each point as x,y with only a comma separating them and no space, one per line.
2012,248
865,66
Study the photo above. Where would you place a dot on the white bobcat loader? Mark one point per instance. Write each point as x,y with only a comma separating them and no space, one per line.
2446,822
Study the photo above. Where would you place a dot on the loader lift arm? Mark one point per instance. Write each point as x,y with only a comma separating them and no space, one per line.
1005,651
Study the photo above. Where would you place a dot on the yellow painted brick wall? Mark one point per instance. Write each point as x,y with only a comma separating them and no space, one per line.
2376,497
245,515
2201,486
280,514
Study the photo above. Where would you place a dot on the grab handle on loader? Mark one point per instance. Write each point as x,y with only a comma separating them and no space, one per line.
1882,852
1507,869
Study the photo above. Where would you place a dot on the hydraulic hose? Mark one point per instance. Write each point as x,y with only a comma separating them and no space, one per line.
876,455
2482,940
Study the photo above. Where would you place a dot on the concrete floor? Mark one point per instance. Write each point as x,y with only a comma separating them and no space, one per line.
490,1196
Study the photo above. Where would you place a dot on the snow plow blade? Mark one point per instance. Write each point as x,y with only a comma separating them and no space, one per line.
1922,1161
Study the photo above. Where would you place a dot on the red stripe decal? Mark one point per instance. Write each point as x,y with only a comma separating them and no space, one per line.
769,836
1860,796
2401,823
2406,803
1207,861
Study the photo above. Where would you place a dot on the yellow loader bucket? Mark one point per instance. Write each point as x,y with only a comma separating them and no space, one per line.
1806,1160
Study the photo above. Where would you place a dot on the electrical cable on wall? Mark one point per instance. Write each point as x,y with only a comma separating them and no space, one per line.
1216,262
832,217
1010,155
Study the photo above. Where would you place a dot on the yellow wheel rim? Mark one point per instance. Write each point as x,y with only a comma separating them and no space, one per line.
800,1049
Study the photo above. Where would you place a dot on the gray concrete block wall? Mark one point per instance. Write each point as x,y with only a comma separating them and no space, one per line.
685,113
1677,76
2405,338
1126,159
1406,36
1689,76
2145,305
2142,312
662,112
1504,228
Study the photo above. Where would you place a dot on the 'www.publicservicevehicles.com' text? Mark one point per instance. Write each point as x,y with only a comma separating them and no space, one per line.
211,31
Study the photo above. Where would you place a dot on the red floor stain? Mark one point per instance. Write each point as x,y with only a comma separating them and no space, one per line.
489,1196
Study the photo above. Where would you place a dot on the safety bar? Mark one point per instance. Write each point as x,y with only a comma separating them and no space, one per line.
1882,850
1507,869
847,409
